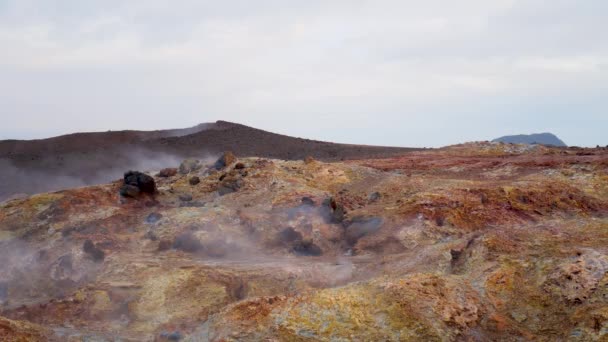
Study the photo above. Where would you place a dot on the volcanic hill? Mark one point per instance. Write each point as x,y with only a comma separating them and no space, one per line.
473,242
32,166
548,139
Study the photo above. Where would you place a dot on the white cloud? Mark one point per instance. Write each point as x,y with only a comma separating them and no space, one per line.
335,65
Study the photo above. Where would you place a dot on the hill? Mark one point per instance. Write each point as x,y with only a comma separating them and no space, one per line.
548,139
31,166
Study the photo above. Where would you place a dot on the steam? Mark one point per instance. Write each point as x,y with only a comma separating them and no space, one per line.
81,170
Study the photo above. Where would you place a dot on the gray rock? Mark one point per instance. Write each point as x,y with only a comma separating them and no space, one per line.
189,165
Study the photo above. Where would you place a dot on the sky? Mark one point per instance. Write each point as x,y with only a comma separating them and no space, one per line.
404,73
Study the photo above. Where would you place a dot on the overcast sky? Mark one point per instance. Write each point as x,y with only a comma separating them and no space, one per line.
408,73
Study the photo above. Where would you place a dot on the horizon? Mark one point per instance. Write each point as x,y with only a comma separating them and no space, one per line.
261,128
388,73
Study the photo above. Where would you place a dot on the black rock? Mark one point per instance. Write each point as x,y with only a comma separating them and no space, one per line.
93,251
140,180
194,180
308,201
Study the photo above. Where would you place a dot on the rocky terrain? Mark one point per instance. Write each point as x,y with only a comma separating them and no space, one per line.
94,158
473,242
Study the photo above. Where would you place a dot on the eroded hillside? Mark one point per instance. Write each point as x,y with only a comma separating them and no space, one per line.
472,242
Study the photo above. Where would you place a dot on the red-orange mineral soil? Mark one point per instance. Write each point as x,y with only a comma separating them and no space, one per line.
474,242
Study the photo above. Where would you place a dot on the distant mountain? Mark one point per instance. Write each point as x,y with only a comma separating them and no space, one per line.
30,166
538,138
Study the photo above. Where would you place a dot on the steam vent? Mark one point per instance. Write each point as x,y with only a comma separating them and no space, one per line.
471,242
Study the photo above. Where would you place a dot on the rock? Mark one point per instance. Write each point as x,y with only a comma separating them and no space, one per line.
171,336
519,317
374,196
289,235
140,180
93,251
187,242
129,191
239,166
309,160
168,172
575,281
153,218
306,248
189,165
194,180
332,211
229,185
226,159
307,201
185,197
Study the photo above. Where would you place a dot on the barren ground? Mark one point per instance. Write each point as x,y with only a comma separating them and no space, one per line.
471,242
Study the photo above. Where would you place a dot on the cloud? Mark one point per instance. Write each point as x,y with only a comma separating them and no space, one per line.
318,69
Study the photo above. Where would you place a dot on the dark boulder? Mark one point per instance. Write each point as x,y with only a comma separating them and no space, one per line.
239,166
93,251
194,180
140,180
